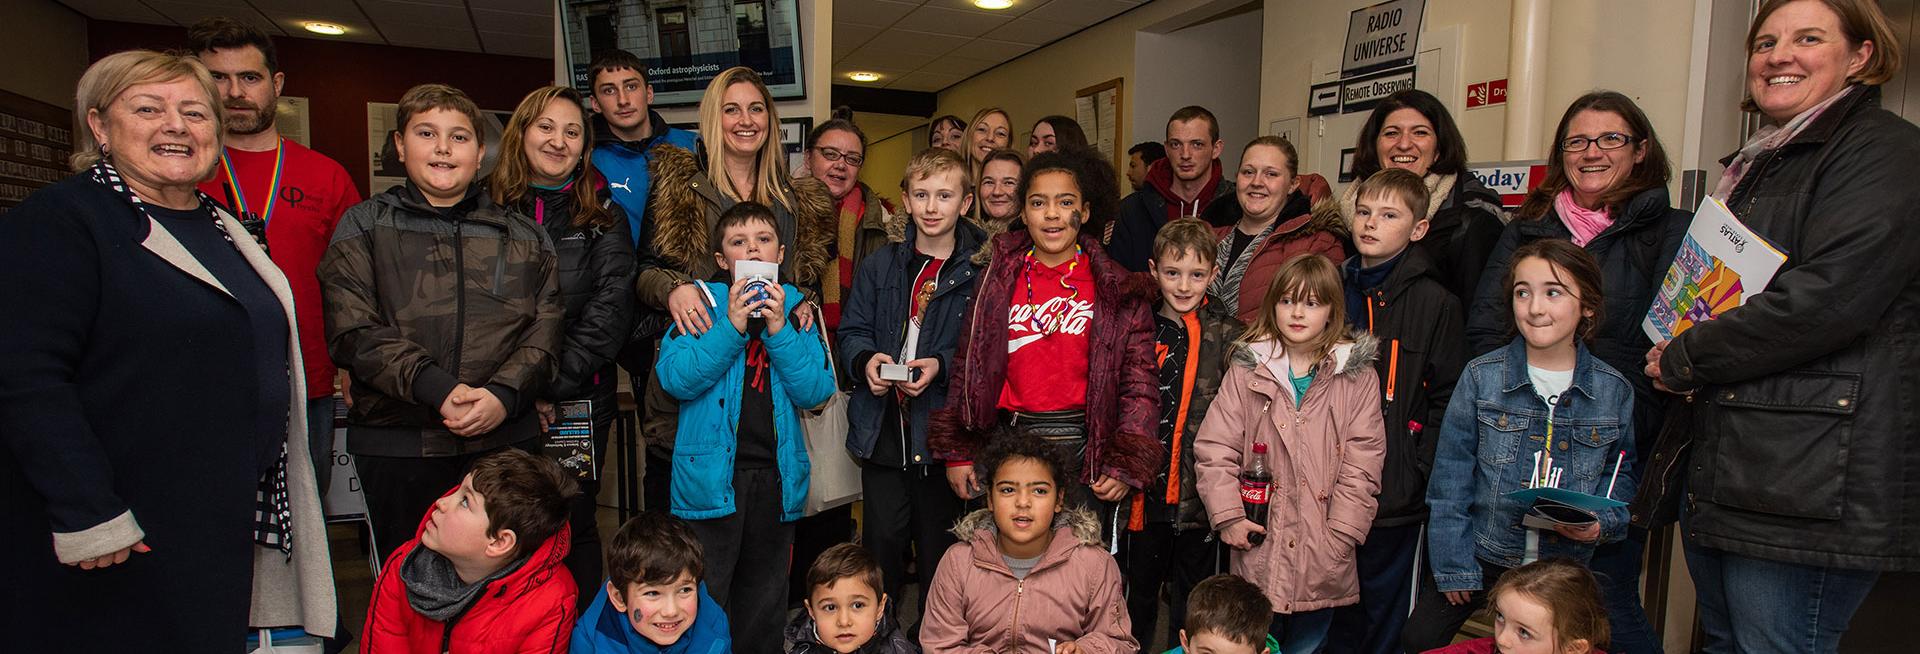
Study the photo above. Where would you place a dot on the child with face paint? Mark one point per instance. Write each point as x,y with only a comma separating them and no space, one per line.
654,600
1058,344
847,608
1030,574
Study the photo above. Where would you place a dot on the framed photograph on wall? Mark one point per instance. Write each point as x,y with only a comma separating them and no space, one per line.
685,43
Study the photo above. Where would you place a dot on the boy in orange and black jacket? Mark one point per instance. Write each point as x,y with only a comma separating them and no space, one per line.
1167,538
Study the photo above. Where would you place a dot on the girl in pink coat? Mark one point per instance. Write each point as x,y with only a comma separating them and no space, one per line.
1306,391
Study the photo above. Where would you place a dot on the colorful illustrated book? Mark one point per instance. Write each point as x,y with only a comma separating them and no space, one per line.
1720,264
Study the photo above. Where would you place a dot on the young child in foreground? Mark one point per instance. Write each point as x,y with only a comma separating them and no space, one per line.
485,572
1542,398
847,610
1227,615
1303,394
654,601
1027,556
1166,540
1551,606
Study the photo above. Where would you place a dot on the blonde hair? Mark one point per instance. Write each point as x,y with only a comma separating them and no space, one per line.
966,142
935,161
513,176
1304,276
771,178
111,76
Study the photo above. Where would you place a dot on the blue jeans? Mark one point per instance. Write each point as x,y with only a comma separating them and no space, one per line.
1617,567
1301,633
1756,606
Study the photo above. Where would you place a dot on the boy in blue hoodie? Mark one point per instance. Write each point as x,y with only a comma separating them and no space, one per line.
740,466
654,601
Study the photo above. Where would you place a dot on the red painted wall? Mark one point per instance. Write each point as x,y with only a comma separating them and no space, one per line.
342,77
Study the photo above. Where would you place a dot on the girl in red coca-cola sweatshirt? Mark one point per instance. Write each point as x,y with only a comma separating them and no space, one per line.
1056,345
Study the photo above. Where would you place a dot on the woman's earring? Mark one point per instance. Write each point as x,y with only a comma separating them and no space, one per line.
104,152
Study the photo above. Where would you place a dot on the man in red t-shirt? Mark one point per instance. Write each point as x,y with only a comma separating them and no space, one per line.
293,194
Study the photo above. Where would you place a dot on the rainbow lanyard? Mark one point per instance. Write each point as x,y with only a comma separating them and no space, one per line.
1073,292
273,183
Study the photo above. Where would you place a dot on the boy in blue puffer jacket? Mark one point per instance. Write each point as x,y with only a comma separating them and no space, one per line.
740,466
653,601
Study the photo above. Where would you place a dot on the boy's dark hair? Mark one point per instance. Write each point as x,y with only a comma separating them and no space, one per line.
615,59
653,548
741,213
1401,184
1582,278
1230,607
843,561
427,97
526,493
1184,236
1192,111
1149,151
221,33
1006,444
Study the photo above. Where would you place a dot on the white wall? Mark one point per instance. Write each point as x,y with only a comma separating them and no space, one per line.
45,47
1207,64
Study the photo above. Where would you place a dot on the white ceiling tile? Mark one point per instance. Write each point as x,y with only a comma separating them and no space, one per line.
848,37
958,65
1077,12
512,23
327,7
385,13
543,7
922,81
188,13
431,36
520,45
118,10
951,21
871,12
869,58
1033,31
995,50
911,42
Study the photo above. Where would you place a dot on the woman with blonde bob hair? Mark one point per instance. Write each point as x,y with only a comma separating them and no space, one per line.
545,174
154,440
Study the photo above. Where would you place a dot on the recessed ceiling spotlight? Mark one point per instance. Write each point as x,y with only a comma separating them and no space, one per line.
993,4
864,77
328,29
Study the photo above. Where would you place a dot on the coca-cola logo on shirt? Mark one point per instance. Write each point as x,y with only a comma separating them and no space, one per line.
1027,323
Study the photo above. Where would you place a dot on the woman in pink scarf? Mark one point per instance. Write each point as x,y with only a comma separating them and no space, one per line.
1605,190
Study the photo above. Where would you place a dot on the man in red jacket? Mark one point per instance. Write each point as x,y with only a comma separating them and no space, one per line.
280,189
485,573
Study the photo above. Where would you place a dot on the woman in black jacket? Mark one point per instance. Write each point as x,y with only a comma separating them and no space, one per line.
1605,190
1794,450
544,175
1411,130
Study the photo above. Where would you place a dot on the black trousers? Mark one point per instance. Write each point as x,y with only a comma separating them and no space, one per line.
1434,621
1386,564
748,555
585,560
400,489
907,509
1159,555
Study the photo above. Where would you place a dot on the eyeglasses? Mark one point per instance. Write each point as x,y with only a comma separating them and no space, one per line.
834,154
1607,141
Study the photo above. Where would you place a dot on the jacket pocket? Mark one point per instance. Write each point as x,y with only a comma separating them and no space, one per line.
1781,443
1500,434
1594,449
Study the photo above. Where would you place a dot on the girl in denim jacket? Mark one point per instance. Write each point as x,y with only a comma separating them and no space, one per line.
1543,394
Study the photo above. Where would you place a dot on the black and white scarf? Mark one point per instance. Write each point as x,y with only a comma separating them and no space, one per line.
273,509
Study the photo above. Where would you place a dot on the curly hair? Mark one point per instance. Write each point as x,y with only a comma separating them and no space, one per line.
1006,444
1099,185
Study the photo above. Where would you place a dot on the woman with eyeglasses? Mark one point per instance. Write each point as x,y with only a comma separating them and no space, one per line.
835,152
1606,191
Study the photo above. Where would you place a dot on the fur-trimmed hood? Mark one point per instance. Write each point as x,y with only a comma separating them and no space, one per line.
1347,358
686,204
977,527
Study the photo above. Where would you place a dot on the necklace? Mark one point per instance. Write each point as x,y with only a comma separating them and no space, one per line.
1048,327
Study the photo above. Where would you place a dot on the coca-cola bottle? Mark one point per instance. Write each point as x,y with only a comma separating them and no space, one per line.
1256,487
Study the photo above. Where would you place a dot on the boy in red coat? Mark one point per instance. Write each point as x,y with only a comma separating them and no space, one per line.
485,573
